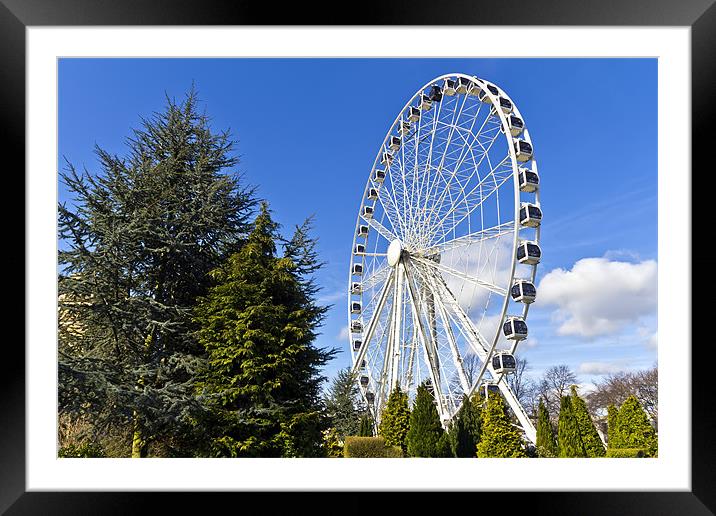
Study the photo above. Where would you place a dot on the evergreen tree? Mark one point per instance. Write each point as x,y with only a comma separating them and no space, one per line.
634,429
546,443
499,437
613,440
568,437
425,428
366,426
590,437
257,324
342,406
465,430
395,419
137,242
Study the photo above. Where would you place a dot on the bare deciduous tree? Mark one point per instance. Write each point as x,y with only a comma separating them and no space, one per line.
615,388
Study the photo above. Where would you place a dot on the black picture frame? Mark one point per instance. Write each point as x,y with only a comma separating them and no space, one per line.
699,15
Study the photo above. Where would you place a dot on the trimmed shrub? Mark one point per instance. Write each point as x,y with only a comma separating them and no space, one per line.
569,440
369,447
625,453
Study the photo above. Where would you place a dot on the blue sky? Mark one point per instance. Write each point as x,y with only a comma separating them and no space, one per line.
309,129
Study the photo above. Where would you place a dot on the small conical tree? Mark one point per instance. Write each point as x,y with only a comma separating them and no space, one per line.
568,436
499,438
366,426
395,419
425,428
546,442
465,430
590,437
613,440
634,428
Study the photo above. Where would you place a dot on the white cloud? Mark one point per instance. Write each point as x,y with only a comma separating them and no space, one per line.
599,296
344,333
599,368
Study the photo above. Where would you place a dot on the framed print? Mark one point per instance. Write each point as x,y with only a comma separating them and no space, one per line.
310,98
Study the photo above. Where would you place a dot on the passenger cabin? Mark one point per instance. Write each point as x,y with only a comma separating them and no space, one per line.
367,212
359,249
356,327
364,381
435,93
489,388
363,231
516,125
505,105
530,215
515,328
425,103
378,176
529,253
413,114
464,85
449,86
523,291
523,150
404,129
372,194
529,180
356,288
394,143
355,307
504,363
386,158
357,269
357,344
369,397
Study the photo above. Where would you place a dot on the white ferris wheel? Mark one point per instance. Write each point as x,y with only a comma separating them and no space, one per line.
445,249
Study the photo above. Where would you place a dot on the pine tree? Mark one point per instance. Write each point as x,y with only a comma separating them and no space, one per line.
366,426
590,437
634,429
546,443
568,437
342,405
499,437
465,430
257,324
613,440
137,242
425,433
395,419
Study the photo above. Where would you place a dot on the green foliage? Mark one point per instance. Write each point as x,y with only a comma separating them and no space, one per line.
625,453
465,431
257,325
499,437
395,419
546,442
375,447
82,450
425,429
590,437
138,241
443,448
613,440
568,436
341,404
366,426
633,428
332,444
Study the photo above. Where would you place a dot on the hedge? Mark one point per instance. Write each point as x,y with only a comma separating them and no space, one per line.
625,453
355,447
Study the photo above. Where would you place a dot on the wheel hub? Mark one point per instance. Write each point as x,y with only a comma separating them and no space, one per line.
395,251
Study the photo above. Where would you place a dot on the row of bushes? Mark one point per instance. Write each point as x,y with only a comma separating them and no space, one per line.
364,447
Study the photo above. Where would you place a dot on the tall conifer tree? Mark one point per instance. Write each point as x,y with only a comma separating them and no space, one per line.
613,440
634,429
395,419
593,445
137,242
425,433
569,439
499,436
465,430
546,442
257,324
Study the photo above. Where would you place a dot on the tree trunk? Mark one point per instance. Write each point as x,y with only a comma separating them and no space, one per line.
139,443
